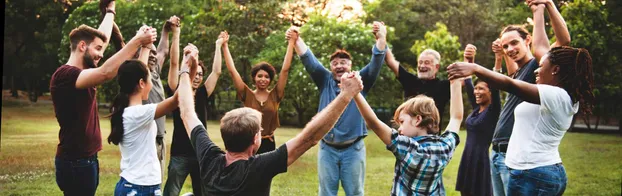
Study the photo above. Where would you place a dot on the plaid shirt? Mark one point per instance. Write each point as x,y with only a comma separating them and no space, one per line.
420,162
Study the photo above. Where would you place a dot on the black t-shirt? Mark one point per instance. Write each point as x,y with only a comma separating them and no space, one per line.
435,88
242,177
181,143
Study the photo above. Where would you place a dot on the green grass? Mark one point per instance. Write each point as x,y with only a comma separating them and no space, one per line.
30,135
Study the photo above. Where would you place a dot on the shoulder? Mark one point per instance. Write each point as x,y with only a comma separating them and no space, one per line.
66,73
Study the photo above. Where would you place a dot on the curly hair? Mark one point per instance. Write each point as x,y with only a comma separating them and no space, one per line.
263,66
575,74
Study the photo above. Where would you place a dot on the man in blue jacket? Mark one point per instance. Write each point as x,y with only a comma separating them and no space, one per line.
342,151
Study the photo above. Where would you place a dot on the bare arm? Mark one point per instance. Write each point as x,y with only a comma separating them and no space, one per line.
107,25
540,40
510,65
287,62
173,71
143,55
456,108
212,79
238,83
392,63
383,131
166,106
186,104
162,50
351,84
526,91
562,36
96,76
301,47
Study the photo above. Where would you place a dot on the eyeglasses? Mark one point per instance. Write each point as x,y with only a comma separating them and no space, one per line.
200,74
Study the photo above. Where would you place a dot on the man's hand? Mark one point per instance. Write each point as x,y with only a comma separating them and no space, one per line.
469,53
351,83
497,49
379,30
461,69
535,2
146,35
221,39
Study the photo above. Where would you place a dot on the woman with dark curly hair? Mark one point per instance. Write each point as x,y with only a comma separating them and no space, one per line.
564,82
261,98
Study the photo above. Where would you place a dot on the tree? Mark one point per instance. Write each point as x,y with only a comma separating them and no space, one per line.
443,42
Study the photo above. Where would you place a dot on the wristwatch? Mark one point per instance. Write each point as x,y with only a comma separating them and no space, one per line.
184,71
497,70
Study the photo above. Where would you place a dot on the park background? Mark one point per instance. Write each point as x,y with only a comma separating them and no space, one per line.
36,43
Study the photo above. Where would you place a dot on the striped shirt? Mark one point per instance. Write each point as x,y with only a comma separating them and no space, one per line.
420,162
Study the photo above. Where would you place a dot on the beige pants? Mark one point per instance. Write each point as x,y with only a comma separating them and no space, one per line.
161,149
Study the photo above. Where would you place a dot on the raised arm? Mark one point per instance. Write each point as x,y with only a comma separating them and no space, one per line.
526,91
173,71
163,46
351,84
469,57
212,79
238,83
456,108
315,69
287,62
392,63
370,72
540,40
185,97
143,55
562,36
500,55
383,131
108,23
96,76
300,46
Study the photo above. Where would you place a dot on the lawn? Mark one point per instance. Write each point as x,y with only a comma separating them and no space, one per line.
30,135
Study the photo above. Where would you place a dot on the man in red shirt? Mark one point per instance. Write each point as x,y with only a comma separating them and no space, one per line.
73,94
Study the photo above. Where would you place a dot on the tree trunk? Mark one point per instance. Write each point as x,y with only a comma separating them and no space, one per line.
300,112
13,87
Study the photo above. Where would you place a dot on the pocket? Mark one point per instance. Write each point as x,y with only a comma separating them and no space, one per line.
359,145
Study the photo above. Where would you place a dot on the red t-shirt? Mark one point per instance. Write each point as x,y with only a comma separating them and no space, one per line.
76,113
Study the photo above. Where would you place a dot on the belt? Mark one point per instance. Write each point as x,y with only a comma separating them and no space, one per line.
342,146
500,147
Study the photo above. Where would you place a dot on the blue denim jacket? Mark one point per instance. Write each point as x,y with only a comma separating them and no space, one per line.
351,124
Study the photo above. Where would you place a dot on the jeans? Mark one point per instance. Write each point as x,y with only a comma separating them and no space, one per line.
126,188
77,177
500,173
178,169
545,180
347,165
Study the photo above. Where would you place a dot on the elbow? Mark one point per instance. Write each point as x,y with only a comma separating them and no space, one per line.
458,116
564,41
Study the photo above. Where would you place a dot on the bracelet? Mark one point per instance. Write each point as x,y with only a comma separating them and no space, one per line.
497,70
108,10
184,71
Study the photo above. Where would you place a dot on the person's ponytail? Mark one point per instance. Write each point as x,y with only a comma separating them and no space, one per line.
121,101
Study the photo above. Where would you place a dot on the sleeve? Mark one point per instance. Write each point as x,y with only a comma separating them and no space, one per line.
66,77
451,140
401,146
370,72
142,115
314,68
274,94
247,91
555,101
205,149
273,162
468,84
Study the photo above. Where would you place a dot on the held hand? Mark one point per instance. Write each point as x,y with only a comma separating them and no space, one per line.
535,5
290,32
146,35
469,52
291,36
221,39
351,83
461,69
111,6
497,49
173,23
379,30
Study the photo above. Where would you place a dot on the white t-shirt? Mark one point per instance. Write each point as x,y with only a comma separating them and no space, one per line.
139,159
538,129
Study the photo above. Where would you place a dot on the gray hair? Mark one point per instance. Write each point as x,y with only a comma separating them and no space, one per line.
434,53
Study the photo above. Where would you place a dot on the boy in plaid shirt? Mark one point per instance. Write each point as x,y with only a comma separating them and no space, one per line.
421,153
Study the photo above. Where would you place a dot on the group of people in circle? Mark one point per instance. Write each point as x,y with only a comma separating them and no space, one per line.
546,83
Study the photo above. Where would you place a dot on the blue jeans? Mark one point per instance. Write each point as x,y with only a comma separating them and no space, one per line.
347,165
500,173
77,177
545,180
126,188
178,169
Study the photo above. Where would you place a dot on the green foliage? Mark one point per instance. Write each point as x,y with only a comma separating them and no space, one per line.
442,41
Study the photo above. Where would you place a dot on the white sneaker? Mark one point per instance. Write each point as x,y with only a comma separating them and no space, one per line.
188,194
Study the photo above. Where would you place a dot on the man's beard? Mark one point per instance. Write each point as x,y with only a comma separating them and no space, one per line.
88,60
